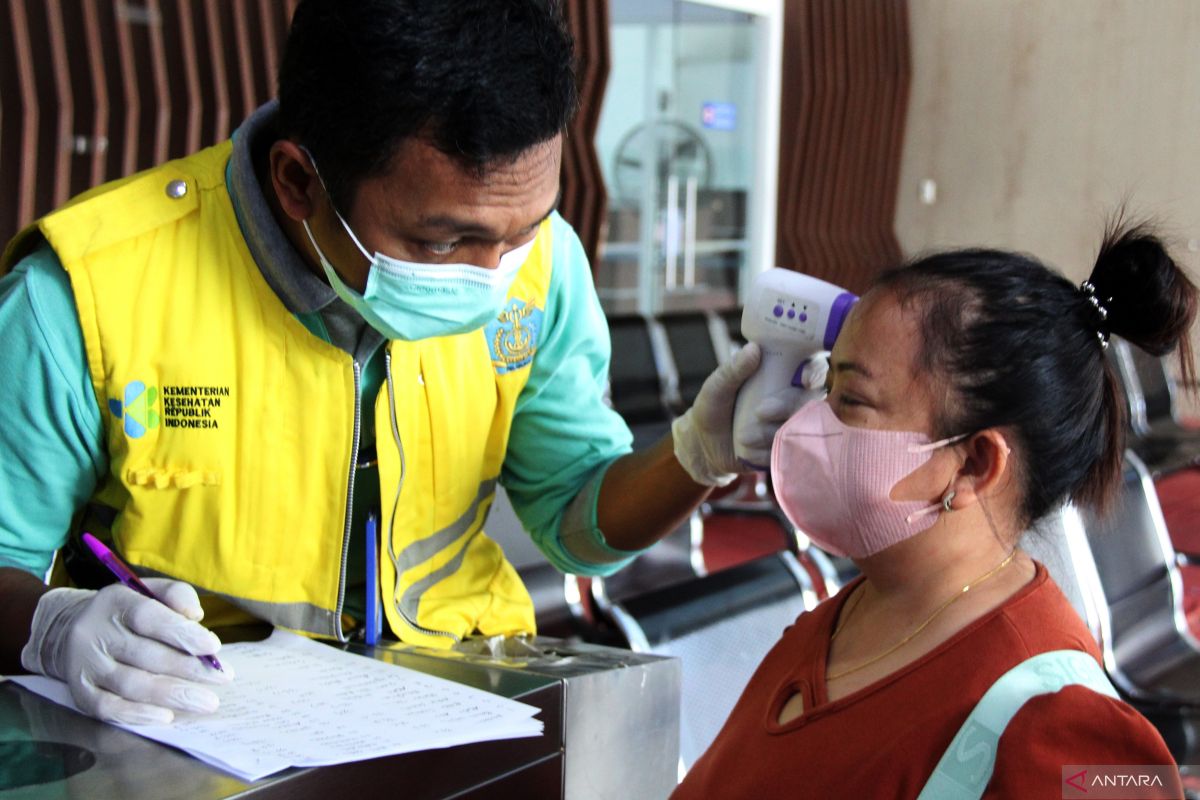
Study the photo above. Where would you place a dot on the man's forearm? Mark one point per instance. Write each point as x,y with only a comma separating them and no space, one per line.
645,496
19,595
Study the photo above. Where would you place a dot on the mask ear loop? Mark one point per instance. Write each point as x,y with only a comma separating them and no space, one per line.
948,497
925,448
336,213
936,508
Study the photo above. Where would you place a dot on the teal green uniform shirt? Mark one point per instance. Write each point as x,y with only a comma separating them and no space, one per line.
52,453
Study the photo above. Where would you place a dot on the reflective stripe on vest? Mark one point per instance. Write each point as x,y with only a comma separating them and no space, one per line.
966,767
407,600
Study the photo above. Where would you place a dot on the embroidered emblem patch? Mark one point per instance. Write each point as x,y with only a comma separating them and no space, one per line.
512,336
137,411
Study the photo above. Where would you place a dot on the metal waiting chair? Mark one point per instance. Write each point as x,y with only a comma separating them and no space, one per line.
1059,542
1157,435
699,343
721,627
642,381
733,327
644,390
1149,650
1062,543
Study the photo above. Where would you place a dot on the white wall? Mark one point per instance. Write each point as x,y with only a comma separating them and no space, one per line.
1038,117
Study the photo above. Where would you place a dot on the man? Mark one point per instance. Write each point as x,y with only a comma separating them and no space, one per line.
336,332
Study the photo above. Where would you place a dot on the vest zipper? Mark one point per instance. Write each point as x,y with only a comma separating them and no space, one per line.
337,621
412,623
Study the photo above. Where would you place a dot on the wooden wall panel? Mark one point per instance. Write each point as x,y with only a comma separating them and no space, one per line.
584,198
22,115
91,90
12,117
845,93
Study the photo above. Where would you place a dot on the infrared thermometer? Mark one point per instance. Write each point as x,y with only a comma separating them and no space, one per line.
792,317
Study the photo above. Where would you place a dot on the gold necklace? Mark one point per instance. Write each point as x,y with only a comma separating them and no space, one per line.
982,578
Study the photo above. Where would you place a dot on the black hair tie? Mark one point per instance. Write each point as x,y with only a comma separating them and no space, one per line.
1089,294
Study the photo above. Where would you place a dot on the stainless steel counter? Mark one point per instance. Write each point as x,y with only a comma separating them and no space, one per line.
611,731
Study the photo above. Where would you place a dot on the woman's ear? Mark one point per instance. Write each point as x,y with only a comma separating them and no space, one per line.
985,469
293,178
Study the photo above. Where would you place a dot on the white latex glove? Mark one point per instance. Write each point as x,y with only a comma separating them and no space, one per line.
127,658
774,410
816,370
703,435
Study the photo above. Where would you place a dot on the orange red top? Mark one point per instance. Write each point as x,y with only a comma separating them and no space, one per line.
885,739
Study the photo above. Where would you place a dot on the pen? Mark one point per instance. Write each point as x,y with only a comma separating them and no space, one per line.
373,621
127,577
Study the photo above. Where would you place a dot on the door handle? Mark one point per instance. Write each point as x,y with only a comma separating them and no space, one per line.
689,233
671,233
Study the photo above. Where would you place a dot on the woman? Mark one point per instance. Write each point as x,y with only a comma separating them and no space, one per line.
969,395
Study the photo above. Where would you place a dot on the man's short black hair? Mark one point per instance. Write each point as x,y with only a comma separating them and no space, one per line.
481,80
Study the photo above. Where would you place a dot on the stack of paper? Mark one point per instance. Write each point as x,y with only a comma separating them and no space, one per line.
296,702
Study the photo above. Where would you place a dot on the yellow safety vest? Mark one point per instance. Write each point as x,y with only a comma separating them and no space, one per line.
232,431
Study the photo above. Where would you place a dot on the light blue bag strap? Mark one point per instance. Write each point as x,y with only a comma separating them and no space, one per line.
966,766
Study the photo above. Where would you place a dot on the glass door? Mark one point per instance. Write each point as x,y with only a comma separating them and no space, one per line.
688,141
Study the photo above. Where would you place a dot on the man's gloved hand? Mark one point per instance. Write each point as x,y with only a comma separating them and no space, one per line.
703,435
756,441
126,658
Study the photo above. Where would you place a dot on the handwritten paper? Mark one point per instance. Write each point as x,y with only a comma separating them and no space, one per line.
295,702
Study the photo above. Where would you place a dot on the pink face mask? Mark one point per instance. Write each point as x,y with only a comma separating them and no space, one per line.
834,481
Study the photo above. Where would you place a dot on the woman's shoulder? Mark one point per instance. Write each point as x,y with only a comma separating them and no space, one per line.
1074,726
1043,619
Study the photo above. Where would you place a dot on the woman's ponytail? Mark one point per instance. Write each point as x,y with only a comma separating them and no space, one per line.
1138,292
1146,297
